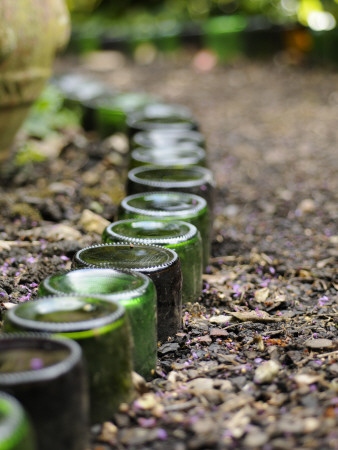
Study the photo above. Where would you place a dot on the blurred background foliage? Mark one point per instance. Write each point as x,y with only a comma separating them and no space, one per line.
164,24
132,21
134,12
299,30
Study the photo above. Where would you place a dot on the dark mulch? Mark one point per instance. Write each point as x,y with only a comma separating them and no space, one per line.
256,362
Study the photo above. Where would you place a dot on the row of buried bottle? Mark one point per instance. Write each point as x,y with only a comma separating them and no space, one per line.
120,297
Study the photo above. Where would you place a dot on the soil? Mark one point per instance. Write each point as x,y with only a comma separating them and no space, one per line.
256,362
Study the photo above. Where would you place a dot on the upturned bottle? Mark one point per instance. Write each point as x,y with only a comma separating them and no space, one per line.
101,327
167,138
134,290
183,237
111,113
159,116
168,206
193,179
46,374
161,264
177,156
16,431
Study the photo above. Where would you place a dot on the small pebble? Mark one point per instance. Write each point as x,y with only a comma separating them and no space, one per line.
317,344
93,223
201,384
307,206
168,347
218,332
221,319
266,372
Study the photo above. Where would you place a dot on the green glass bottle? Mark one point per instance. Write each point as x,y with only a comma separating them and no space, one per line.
167,38
16,432
111,113
46,374
225,36
183,237
135,291
81,93
78,88
161,264
159,116
170,205
193,179
101,327
167,138
180,156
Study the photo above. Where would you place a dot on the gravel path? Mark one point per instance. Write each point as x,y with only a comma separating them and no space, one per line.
256,362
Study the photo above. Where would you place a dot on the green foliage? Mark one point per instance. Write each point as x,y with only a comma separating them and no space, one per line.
82,5
276,10
48,115
28,153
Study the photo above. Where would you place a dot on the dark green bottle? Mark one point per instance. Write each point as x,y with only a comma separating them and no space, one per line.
167,138
47,376
82,93
78,88
193,179
183,237
170,205
180,156
111,113
161,264
16,432
159,116
135,291
101,327
225,36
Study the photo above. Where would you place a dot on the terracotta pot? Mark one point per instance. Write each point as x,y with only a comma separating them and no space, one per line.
31,31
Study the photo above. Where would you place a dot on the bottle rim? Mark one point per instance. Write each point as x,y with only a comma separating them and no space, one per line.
162,109
124,295
147,118
121,102
71,86
194,210
14,417
173,258
144,138
40,339
205,176
192,155
100,323
184,237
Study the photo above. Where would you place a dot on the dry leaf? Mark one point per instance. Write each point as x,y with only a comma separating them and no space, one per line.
221,319
5,245
255,316
262,294
304,379
321,264
279,298
54,233
214,279
316,344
